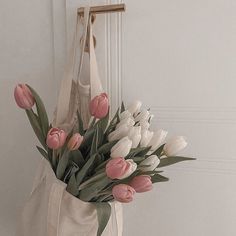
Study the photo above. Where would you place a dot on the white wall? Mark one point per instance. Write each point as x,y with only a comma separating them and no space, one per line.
178,57
26,55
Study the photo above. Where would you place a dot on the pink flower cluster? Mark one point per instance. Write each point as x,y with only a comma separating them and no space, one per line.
119,168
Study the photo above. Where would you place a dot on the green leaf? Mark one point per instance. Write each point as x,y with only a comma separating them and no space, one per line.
88,193
140,151
138,159
88,137
159,150
36,127
80,122
62,164
122,107
82,173
158,178
43,152
113,122
42,114
77,157
72,186
94,146
172,160
106,148
103,214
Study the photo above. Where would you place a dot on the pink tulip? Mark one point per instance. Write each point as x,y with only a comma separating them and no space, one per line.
123,193
56,138
141,183
99,106
119,168
23,96
75,141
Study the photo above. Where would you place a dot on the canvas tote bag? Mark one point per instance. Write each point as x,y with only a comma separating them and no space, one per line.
50,209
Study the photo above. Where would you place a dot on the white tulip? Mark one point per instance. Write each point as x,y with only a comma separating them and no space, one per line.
125,114
122,148
142,116
129,121
134,107
130,171
157,139
150,163
119,133
144,125
146,138
174,145
135,136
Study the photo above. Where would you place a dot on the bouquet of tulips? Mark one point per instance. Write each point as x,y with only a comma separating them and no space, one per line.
110,160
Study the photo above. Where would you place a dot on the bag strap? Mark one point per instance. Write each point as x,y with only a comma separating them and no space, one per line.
66,83
95,82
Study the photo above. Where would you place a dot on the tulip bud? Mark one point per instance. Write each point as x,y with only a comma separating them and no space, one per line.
122,148
135,136
141,183
75,141
142,116
157,139
127,121
119,168
150,163
99,106
146,138
125,114
23,96
174,145
119,133
134,108
123,193
56,138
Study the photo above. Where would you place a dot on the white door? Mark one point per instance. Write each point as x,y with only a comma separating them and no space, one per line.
178,57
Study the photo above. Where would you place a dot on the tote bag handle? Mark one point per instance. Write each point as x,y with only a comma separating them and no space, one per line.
75,72
66,83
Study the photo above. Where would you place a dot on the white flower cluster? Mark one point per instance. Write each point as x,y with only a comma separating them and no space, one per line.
133,131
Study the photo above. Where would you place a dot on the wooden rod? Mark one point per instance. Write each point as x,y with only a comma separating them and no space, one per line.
104,9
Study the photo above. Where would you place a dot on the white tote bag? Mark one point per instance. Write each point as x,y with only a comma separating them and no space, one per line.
50,209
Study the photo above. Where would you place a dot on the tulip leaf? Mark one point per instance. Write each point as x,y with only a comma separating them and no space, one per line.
62,164
36,127
88,193
138,159
106,148
72,186
113,122
140,151
88,137
103,215
94,146
122,107
158,178
77,157
144,151
172,160
80,124
42,113
159,150
43,153
82,173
